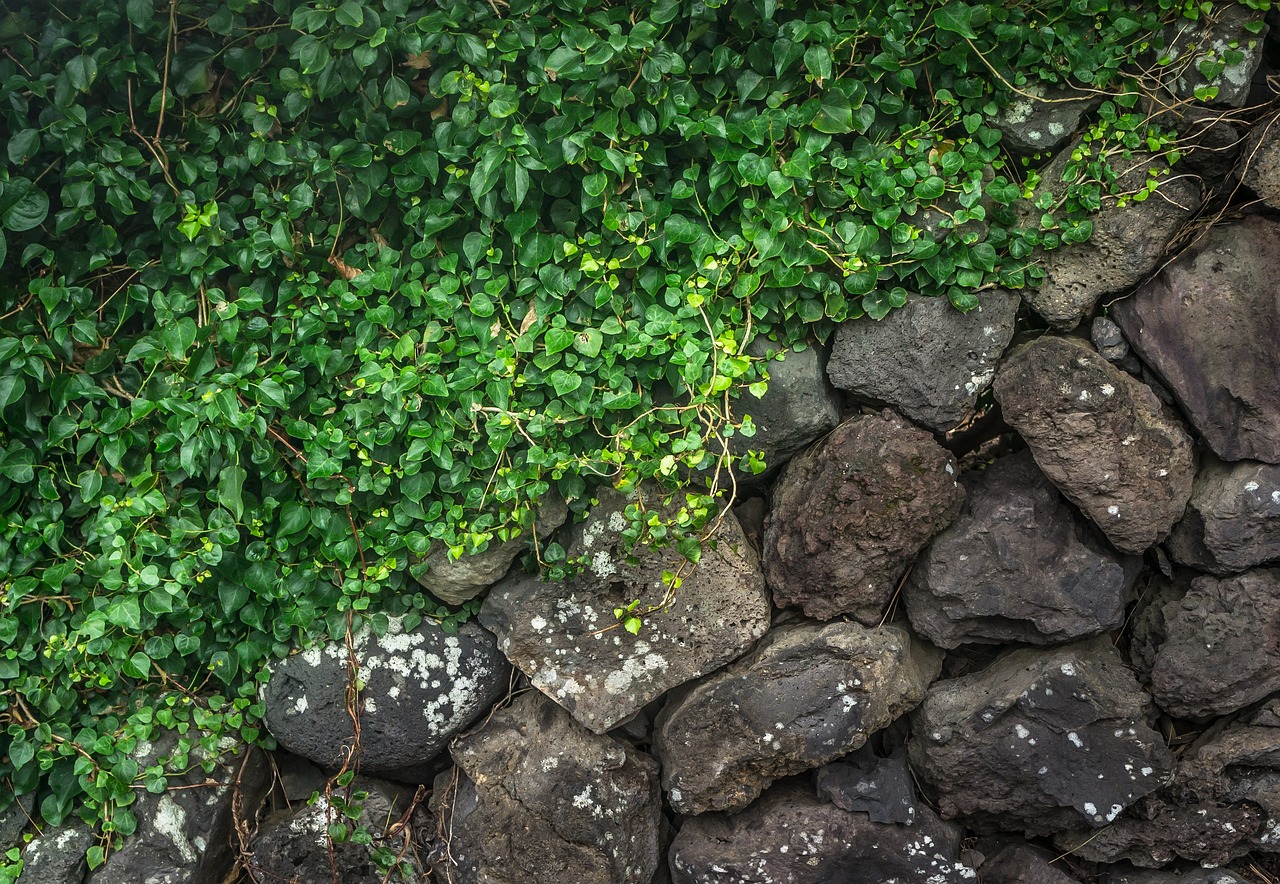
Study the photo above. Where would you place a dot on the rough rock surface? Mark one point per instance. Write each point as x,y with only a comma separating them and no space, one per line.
1191,876
1223,647
559,633
927,359
15,818
881,788
1127,242
185,834
1101,437
1039,740
1023,864
1212,37
1147,627
1042,119
790,835
1208,324
421,686
294,845
807,694
456,582
58,855
1233,520
537,798
1017,565
1260,160
851,513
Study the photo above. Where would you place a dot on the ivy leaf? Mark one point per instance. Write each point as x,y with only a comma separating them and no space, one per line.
487,169
956,18
835,114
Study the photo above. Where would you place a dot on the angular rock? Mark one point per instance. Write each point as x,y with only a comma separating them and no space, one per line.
421,686
185,833
807,694
15,818
1101,437
1042,119
537,798
881,788
1023,864
790,835
1260,160
1108,339
851,513
1147,627
1208,324
565,637
1039,741
1211,38
1223,647
1018,565
927,359
1233,520
58,855
1127,241
456,582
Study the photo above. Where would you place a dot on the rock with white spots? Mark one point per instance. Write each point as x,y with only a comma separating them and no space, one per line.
565,636
882,788
1042,117
1193,47
57,856
185,833
1018,565
791,835
1233,520
1207,325
1101,437
419,687
535,798
1189,876
1223,650
928,360
1039,741
806,695
850,514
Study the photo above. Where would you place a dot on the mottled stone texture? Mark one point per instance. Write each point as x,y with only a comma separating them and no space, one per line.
928,360
1214,36
1041,118
1019,564
1101,437
537,799
1208,325
1260,160
1039,741
420,687
565,637
807,694
1223,645
1233,519
850,514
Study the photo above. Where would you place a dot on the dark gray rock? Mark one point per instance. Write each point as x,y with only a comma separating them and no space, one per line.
1023,864
1190,876
1043,118
15,818
1148,630
295,845
1208,324
927,359
457,581
1127,243
807,694
421,686
1039,741
537,798
1209,140
1101,437
1108,339
565,637
1223,647
1209,38
185,833
1260,160
1233,520
851,513
881,788
1017,565
790,835
58,855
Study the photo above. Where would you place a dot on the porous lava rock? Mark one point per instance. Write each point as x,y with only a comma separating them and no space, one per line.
57,856
1018,565
1216,37
807,694
1207,324
535,798
850,514
1260,160
794,836
1039,741
1101,437
420,686
1233,520
880,787
565,637
1022,864
927,359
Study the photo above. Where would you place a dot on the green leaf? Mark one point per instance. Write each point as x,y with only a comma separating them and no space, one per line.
29,207
350,14
754,169
680,229
486,171
956,18
835,114
23,145
230,487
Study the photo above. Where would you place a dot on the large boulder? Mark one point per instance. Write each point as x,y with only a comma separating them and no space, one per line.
1233,520
850,514
420,687
1041,118
565,637
1208,324
928,360
807,694
535,798
1223,648
1260,160
1191,47
1039,741
57,856
794,836
1018,565
1101,437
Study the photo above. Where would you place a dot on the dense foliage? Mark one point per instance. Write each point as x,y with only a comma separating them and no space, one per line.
294,290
